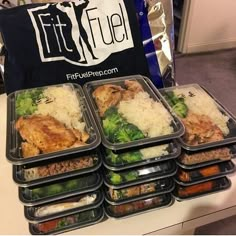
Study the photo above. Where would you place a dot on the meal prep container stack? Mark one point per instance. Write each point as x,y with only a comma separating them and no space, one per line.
138,161
208,144
53,144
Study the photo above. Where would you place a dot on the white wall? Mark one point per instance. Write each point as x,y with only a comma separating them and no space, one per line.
211,25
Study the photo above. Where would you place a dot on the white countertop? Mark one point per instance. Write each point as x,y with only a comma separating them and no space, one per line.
12,219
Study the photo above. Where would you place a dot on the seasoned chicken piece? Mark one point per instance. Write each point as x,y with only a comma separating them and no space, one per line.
29,150
45,132
106,96
77,144
200,129
83,136
133,87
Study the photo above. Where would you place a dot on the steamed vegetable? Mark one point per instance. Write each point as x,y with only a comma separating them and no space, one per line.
127,157
26,102
118,178
118,129
177,104
64,187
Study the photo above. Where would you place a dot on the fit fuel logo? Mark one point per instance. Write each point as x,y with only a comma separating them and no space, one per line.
83,32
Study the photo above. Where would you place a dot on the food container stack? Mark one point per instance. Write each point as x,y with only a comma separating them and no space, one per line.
53,144
208,144
138,136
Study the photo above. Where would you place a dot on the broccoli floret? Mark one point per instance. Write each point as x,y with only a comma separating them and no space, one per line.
132,175
127,133
114,158
111,111
131,157
26,102
177,103
180,109
115,178
111,122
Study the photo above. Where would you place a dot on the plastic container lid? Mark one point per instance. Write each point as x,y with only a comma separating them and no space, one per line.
68,206
138,192
139,157
191,160
127,178
190,177
138,207
197,190
49,171
68,223
207,122
32,196
49,134
111,96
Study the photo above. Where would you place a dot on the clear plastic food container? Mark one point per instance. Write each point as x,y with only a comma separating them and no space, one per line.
32,196
138,192
49,122
202,189
190,177
68,206
49,171
191,160
129,114
127,178
139,157
138,207
68,223
207,122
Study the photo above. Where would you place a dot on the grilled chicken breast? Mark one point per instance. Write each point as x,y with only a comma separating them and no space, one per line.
106,96
45,133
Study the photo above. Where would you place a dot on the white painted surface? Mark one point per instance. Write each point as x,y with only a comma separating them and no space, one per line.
210,26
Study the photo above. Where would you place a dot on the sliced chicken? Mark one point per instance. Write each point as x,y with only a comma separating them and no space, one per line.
132,88
106,96
45,132
200,129
29,150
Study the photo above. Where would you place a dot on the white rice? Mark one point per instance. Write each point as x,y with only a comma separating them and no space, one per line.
148,115
156,151
65,106
203,104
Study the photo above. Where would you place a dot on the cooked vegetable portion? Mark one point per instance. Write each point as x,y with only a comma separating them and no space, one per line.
63,187
118,129
194,175
196,189
177,103
27,101
65,222
126,176
137,156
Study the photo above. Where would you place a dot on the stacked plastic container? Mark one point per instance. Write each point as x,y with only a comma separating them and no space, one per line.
138,169
53,144
208,144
